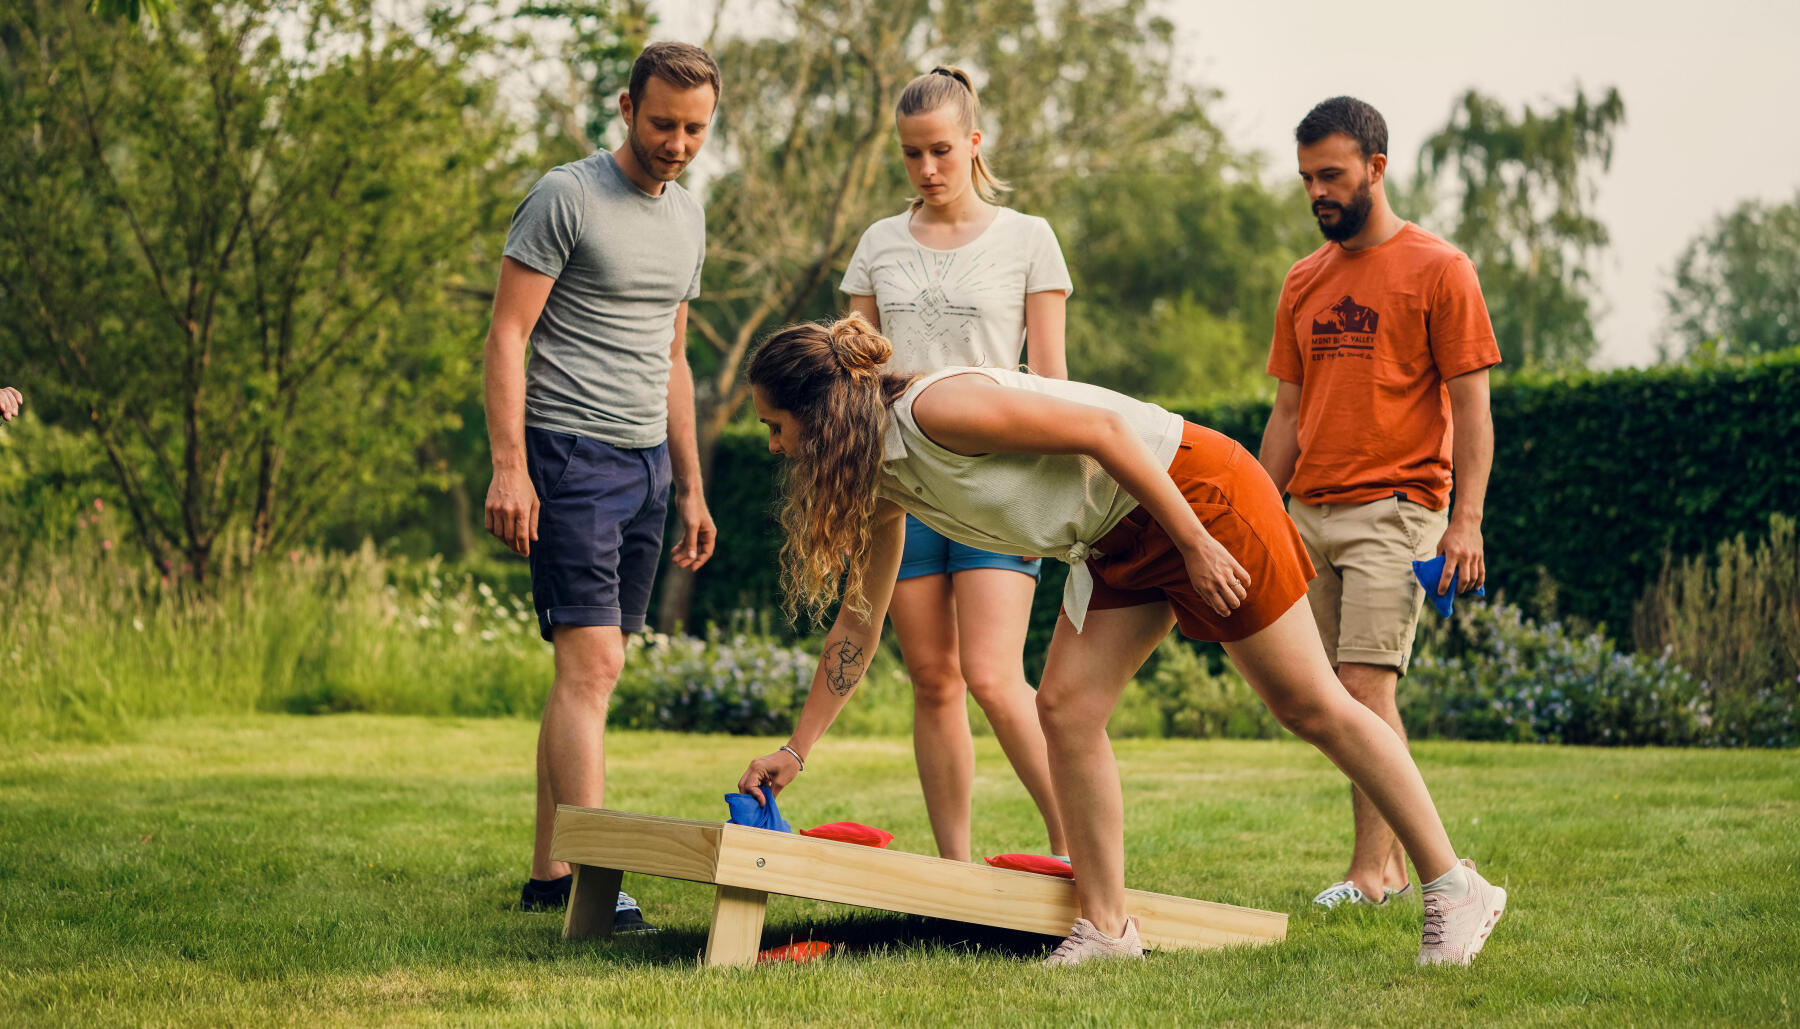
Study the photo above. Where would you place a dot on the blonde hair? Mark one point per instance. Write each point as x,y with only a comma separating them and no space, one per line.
831,378
946,86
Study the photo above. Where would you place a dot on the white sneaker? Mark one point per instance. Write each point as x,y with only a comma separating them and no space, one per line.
1345,892
1348,892
1086,943
1456,930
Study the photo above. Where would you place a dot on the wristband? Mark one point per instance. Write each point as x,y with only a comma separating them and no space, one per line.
797,756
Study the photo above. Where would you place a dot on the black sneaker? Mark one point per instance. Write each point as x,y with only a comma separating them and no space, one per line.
628,918
553,895
545,894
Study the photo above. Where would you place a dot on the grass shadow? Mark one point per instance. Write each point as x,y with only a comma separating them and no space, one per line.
854,934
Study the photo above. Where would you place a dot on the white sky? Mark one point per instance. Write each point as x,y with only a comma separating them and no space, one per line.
1709,90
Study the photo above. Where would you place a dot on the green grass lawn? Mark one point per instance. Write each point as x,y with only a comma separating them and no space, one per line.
362,869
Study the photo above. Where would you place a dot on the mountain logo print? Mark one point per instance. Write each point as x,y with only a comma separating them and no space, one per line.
1345,329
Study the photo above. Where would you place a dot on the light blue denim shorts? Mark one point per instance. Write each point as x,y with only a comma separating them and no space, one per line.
929,553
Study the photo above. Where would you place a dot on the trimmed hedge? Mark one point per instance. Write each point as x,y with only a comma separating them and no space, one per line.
1597,477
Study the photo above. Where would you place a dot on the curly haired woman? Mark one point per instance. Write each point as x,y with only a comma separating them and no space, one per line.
1163,522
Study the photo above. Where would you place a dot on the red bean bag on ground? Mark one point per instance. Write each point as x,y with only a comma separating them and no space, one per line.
851,832
1039,863
798,953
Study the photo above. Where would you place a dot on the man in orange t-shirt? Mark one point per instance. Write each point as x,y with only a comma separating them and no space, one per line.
1382,344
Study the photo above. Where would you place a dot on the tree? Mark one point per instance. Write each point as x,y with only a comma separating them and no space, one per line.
1737,285
1180,270
594,67
1524,191
228,242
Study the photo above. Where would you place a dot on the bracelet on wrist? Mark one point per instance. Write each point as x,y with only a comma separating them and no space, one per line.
796,754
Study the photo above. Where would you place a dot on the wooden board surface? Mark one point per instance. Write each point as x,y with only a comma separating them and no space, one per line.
844,873
676,848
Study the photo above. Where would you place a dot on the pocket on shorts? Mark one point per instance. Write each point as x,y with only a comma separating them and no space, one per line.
551,454
1416,520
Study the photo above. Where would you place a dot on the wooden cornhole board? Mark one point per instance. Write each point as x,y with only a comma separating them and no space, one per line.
749,864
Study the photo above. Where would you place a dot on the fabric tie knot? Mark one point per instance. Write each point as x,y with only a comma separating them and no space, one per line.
1078,591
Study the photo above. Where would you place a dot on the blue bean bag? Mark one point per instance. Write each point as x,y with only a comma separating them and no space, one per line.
747,810
1429,572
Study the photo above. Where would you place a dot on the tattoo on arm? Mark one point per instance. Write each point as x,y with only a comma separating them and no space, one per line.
843,667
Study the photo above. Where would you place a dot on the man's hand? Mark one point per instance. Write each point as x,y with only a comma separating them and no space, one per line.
697,532
772,771
512,510
10,402
1463,558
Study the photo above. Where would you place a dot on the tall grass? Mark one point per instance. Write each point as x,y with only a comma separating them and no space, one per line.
1734,619
89,646
92,646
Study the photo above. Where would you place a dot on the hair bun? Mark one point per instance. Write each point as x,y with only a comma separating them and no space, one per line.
858,347
956,73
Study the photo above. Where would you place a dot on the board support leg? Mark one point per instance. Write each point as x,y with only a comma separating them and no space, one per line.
592,898
737,925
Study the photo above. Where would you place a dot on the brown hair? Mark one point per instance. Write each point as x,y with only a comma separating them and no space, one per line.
679,64
831,379
951,86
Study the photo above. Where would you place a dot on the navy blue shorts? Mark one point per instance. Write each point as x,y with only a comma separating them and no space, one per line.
601,511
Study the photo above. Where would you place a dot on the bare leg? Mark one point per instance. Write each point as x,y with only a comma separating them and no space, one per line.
572,740
1286,665
993,610
1083,677
924,615
1376,862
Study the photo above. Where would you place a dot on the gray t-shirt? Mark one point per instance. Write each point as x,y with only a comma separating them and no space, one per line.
623,261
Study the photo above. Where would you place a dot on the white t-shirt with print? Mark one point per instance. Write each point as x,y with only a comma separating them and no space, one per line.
943,308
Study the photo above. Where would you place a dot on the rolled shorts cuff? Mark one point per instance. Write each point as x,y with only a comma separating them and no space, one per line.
551,617
1367,656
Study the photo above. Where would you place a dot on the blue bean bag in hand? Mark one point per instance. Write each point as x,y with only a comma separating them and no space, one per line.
1429,572
747,810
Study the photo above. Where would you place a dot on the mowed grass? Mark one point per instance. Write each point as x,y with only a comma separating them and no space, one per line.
363,870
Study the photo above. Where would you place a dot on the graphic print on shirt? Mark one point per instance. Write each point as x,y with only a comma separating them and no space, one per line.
940,327
1344,329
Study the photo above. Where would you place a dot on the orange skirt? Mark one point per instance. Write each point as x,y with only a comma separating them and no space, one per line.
1241,508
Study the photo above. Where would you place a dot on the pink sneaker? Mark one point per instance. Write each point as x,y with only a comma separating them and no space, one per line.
1456,930
1086,943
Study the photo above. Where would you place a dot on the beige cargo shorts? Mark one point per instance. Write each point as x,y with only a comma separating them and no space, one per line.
1365,596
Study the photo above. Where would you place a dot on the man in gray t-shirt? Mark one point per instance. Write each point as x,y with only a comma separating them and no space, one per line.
600,263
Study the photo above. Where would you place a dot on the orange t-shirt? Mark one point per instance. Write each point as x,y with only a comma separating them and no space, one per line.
1369,336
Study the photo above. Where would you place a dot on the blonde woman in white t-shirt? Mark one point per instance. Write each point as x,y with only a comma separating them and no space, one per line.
958,280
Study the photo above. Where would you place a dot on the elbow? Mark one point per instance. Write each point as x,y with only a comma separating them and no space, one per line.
504,344
1117,430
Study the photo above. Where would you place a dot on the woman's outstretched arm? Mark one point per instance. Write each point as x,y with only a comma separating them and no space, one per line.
973,414
848,646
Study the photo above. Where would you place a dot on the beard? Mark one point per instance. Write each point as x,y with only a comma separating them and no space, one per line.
1350,219
645,158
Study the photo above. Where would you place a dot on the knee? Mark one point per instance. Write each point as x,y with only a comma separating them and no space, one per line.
1311,719
592,681
1064,713
937,686
989,683
1370,685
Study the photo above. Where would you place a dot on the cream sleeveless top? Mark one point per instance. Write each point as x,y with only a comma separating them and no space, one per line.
1033,505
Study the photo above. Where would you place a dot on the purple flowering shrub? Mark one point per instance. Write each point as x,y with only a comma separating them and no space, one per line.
1507,677
730,682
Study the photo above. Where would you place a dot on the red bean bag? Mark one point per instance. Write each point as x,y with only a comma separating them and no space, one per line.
798,953
850,832
1039,863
